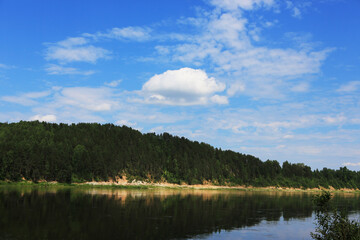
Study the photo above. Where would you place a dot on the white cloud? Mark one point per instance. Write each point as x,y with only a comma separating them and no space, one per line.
277,121
219,99
126,33
237,87
350,87
114,83
352,164
224,41
79,49
297,8
125,122
301,87
288,136
54,69
242,4
185,86
71,104
130,33
73,41
335,120
229,27
145,115
75,49
162,50
93,99
26,99
4,66
296,12
71,53
44,118
19,100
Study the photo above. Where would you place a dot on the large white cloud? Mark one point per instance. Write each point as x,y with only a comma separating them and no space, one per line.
185,86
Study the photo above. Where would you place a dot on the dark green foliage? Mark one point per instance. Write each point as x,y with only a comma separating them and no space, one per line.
332,224
322,200
84,152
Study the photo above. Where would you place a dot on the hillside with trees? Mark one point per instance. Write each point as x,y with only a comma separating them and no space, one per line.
94,152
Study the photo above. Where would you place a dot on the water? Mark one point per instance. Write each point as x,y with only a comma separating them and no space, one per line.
73,213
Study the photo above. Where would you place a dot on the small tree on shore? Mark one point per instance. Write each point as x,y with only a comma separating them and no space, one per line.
332,224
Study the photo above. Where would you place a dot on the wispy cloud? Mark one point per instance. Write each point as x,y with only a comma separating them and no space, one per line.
4,66
225,41
101,99
82,49
301,87
93,99
352,164
26,99
114,83
54,69
75,50
242,4
298,7
349,87
295,10
126,33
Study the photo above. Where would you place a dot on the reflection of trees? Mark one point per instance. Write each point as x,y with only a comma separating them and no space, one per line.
76,214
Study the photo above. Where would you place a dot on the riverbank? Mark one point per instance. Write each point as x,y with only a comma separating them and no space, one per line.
146,185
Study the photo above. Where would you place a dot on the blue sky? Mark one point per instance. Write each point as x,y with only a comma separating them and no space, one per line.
276,79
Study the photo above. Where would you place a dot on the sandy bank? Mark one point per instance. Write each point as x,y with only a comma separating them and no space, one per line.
123,183
211,186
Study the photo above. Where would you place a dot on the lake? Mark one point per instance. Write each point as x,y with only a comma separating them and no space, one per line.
94,213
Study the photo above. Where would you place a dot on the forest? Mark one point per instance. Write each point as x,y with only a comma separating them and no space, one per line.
98,152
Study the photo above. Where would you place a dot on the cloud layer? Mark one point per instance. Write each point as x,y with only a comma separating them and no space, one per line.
228,41
231,75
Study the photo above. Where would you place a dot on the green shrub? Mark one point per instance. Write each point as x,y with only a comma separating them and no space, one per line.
332,224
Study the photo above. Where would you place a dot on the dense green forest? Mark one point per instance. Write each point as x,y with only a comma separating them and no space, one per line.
90,151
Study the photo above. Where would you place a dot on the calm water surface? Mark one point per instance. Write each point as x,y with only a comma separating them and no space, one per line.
51,213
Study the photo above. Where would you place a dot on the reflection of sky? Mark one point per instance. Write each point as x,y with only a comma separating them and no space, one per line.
292,229
295,229
354,216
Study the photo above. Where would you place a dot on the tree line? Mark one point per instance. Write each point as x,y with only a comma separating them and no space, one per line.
95,152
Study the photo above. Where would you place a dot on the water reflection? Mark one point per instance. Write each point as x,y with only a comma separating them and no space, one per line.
37,213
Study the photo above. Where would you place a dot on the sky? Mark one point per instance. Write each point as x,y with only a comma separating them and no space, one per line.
277,79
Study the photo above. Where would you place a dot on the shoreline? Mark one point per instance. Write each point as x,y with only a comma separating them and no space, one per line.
146,185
